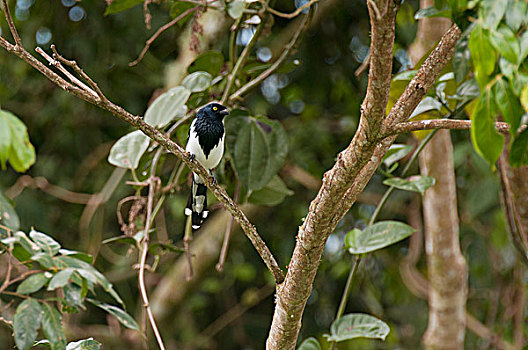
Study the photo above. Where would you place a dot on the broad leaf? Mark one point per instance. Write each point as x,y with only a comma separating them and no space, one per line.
73,297
124,318
492,11
486,140
395,153
427,104
26,323
127,151
60,279
483,54
197,81
310,344
168,107
271,194
509,104
209,61
45,242
21,153
414,183
515,14
85,344
257,146
120,5
506,43
519,150
33,283
8,215
5,139
432,11
353,326
52,327
77,255
178,8
236,8
377,236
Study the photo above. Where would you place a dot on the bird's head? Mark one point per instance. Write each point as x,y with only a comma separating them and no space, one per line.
215,110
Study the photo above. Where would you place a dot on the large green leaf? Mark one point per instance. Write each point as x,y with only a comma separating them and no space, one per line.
519,150
491,12
353,326
85,344
120,5
5,139
506,43
271,194
33,283
486,140
127,151
21,153
258,147
377,236
197,81
515,14
167,107
209,61
124,318
45,242
8,215
52,327
509,104
483,54
310,344
414,183
26,323
60,279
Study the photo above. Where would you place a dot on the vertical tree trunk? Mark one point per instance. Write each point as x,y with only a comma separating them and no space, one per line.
446,266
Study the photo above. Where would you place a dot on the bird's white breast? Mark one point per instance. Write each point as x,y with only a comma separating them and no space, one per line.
193,147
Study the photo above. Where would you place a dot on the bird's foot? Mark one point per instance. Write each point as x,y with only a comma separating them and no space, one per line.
213,179
191,157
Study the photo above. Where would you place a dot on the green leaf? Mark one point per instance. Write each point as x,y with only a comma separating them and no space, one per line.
52,327
45,242
127,151
167,107
414,183
121,5
73,298
524,98
5,140
519,150
85,344
509,104
257,146
121,239
21,153
310,344
486,140
271,194
427,104
60,279
483,54
33,283
377,236
395,153
26,323
25,248
515,14
78,255
44,259
492,11
236,8
506,44
432,11
179,7
197,81
461,59
209,61
8,215
124,318
353,326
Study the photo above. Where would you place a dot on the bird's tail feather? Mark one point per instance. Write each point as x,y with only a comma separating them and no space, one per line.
197,203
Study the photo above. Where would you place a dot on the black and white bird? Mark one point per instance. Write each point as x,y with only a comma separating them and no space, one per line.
206,145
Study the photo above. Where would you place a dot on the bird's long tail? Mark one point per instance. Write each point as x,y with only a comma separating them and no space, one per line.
197,203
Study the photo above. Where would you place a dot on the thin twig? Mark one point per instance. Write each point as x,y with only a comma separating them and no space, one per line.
187,239
227,235
144,251
11,24
42,183
453,124
70,76
158,33
375,8
254,82
294,13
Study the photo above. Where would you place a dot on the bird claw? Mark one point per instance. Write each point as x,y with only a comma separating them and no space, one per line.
191,157
213,180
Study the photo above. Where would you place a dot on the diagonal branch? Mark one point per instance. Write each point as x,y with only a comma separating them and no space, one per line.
11,24
165,141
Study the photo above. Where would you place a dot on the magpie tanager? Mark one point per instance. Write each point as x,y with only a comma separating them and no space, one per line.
206,145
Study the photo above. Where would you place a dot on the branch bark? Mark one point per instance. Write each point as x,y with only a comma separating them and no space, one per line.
452,124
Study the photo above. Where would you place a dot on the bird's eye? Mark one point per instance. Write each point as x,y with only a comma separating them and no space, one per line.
215,108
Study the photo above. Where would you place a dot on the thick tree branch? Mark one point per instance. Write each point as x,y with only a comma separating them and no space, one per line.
163,140
453,124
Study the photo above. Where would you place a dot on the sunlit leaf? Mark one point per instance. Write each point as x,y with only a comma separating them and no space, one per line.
26,323
353,326
127,151
45,242
483,54
414,183
168,107
124,318
377,236
85,344
21,153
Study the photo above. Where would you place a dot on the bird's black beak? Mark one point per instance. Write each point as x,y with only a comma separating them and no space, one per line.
224,112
